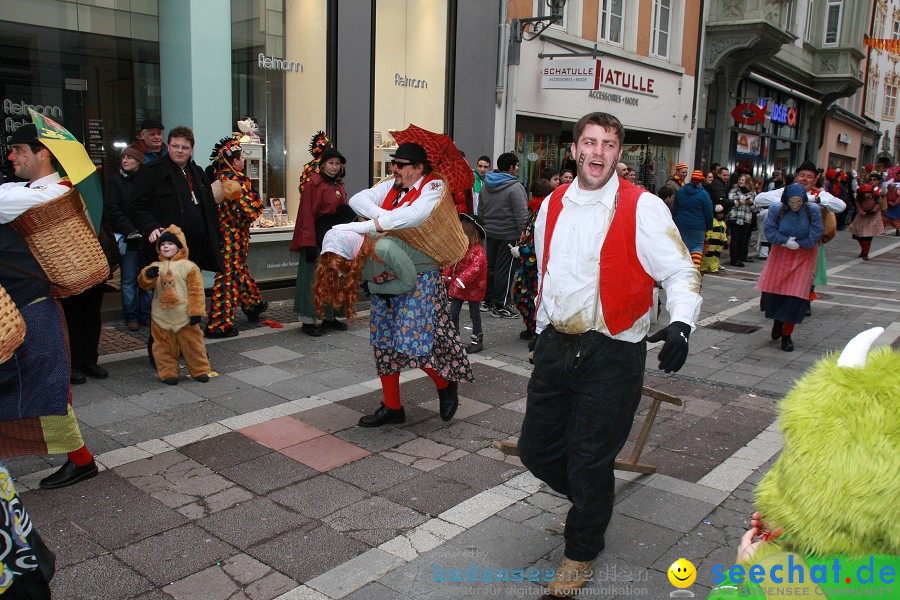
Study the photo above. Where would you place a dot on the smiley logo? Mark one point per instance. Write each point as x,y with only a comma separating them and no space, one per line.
682,573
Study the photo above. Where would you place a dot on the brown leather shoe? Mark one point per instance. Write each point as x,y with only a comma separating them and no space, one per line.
570,577
133,326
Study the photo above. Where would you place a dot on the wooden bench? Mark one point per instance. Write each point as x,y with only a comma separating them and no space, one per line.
631,464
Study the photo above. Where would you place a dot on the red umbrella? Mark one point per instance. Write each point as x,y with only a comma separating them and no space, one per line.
443,155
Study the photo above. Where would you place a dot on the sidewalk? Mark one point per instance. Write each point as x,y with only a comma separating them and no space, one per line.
259,485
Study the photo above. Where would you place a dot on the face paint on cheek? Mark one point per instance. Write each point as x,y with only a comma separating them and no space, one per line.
582,158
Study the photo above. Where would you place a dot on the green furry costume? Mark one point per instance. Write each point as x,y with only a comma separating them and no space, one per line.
835,487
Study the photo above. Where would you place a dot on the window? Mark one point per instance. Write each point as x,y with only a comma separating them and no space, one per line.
810,9
878,25
610,26
871,92
788,15
890,101
833,12
896,33
544,10
662,15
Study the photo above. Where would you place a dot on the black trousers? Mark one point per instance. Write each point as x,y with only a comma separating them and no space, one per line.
740,242
582,397
499,272
83,322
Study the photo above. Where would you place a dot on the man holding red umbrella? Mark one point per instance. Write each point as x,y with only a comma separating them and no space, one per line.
407,201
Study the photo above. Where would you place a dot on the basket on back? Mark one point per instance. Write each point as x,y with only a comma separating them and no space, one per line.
64,244
12,326
441,235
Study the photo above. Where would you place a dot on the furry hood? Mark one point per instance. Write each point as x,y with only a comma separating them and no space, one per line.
182,253
834,487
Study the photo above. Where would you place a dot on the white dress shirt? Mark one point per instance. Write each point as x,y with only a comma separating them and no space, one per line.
17,197
829,201
369,201
570,296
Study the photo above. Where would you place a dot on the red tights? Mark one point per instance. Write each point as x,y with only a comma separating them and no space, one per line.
390,386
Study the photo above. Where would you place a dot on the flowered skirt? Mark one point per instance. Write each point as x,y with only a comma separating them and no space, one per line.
414,330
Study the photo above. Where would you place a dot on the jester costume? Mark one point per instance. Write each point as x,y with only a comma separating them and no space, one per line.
240,207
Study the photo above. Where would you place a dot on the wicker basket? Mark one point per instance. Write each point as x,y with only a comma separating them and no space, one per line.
12,326
64,244
441,235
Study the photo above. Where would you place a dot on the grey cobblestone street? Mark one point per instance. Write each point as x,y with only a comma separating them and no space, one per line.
259,485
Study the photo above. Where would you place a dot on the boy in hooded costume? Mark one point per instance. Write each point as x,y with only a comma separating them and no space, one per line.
831,498
177,308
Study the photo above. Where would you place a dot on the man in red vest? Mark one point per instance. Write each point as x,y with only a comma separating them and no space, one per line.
601,244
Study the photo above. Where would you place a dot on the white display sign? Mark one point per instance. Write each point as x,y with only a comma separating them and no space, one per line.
570,74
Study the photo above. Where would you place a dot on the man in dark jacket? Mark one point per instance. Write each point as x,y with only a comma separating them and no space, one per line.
719,188
175,191
503,205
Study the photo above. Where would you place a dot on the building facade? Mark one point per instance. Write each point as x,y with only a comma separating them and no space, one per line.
879,95
771,72
636,59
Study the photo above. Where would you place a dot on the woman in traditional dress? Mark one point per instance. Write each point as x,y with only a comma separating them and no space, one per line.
794,230
867,223
411,325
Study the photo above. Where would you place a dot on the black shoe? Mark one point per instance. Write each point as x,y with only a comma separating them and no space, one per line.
383,416
809,311
449,400
777,328
202,378
225,333
335,324
254,312
787,344
311,330
737,263
865,257
68,474
748,259
95,371
77,377
170,381
526,335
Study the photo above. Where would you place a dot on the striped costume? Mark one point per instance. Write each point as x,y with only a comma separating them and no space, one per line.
715,238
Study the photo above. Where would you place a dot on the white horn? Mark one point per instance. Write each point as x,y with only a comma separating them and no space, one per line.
856,350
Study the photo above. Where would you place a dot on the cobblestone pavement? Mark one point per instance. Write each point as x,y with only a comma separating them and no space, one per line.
259,485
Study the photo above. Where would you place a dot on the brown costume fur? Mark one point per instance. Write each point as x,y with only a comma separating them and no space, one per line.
179,296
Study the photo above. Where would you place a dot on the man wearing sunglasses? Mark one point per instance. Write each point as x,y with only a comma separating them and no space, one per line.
404,201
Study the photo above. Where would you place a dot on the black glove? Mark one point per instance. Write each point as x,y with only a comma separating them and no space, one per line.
312,253
387,298
675,350
134,235
152,272
195,320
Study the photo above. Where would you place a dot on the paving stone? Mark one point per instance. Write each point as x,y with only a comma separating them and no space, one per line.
69,542
476,509
336,378
261,376
212,582
251,399
667,509
376,591
223,500
281,432
374,473
368,402
375,439
302,556
268,472
374,520
637,541
222,385
466,436
108,412
429,493
330,417
468,408
356,572
164,399
224,451
173,479
319,496
325,453
251,522
498,419
174,554
95,578
477,471
298,387
303,365
271,354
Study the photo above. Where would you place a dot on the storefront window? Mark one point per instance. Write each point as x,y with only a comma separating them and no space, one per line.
757,148
97,86
279,75
410,71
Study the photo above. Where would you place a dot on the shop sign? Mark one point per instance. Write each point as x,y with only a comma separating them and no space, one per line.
749,114
844,138
783,114
273,63
570,74
20,109
610,97
404,81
